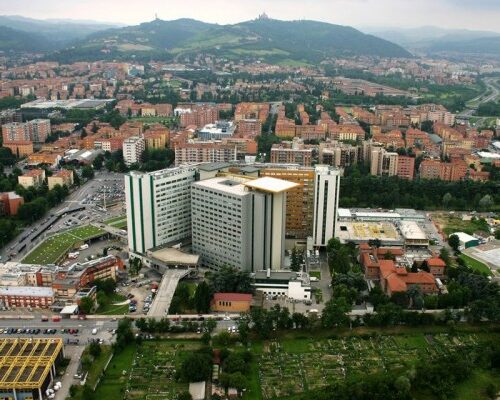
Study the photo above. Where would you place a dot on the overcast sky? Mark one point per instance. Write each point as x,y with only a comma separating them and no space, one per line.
468,14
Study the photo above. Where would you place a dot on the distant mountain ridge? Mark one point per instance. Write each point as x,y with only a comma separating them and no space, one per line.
430,39
271,40
27,34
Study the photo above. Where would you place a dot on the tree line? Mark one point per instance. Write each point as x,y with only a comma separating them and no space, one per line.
358,190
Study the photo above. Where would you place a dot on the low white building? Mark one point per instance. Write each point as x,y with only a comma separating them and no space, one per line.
466,240
413,234
294,285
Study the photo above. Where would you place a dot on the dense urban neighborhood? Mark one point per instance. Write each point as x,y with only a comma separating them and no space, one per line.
264,210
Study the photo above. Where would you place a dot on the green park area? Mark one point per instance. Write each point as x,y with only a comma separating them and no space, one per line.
295,366
476,265
53,249
119,222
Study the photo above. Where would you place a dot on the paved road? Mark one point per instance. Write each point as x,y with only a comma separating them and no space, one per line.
75,353
161,303
74,200
493,86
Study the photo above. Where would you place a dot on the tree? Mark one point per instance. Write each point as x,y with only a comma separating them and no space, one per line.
486,202
124,334
98,162
230,280
107,286
196,367
95,349
86,305
210,325
236,380
183,395
447,198
454,242
335,313
202,298
297,260
87,172
444,254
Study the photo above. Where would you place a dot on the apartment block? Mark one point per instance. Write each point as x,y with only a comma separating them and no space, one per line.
291,153
406,167
34,177
10,202
252,111
299,200
61,178
383,162
249,128
193,153
133,147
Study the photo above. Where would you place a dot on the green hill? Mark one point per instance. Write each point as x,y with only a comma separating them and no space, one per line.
270,40
19,41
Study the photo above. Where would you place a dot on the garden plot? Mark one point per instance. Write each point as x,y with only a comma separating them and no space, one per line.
152,375
294,367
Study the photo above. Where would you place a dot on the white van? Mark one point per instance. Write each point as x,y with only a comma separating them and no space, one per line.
94,331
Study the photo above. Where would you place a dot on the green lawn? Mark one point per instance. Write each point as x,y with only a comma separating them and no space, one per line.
475,264
315,274
53,249
111,309
474,387
114,380
119,222
95,371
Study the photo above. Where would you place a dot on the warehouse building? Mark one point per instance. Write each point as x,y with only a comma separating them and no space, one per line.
466,240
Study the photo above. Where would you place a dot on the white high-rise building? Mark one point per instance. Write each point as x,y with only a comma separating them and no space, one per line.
240,222
158,207
326,203
133,147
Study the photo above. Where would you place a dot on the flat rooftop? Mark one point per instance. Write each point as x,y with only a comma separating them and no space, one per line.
66,104
231,185
271,185
171,256
364,231
25,362
411,230
34,291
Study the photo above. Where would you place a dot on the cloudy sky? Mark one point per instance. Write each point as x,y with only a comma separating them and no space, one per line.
468,14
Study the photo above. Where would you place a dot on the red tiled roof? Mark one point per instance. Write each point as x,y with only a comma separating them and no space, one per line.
232,297
436,262
396,284
395,251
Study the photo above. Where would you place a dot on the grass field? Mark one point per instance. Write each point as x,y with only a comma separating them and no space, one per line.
111,309
450,224
119,222
53,249
95,371
289,366
114,380
475,264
